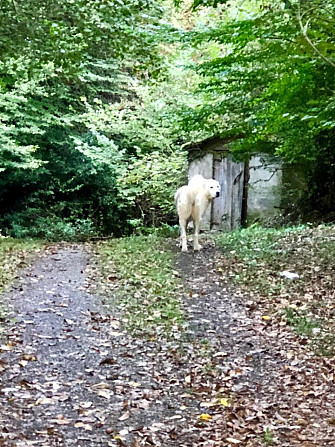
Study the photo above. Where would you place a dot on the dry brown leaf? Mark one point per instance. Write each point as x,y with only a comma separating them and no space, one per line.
125,416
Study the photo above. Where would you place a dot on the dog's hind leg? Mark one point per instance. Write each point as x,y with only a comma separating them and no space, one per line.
183,239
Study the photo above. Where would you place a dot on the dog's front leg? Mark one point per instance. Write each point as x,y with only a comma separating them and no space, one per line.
183,239
197,246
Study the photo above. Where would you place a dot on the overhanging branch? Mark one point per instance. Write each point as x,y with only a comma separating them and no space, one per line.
308,40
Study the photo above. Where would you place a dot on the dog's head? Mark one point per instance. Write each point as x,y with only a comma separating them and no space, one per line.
214,188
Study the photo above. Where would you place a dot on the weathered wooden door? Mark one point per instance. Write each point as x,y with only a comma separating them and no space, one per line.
227,210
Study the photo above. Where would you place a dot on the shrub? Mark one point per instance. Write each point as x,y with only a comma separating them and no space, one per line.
33,223
148,185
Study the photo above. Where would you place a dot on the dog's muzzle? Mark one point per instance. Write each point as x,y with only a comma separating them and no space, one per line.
217,194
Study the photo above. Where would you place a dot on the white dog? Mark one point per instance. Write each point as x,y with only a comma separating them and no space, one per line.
192,201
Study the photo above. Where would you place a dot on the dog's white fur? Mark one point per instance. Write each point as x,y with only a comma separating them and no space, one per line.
192,201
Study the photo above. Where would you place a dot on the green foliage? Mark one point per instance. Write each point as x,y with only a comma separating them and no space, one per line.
265,78
96,96
65,64
268,438
148,187
48,226
319,196
255,258
255,243
305,326
77,183
268,86
301,323
14,254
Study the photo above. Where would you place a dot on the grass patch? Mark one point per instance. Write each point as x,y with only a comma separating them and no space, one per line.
268,438
301,324
323,341
254,258
14,254
147,287
256,245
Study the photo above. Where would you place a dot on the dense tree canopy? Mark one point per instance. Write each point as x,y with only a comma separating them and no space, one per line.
98,99
58,55
60,61
273,82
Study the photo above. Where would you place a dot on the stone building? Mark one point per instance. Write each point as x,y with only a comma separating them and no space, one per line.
250,189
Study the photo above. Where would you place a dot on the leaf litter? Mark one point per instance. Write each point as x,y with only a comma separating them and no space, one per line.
227,377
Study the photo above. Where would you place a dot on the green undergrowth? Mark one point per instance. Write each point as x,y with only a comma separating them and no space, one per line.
255,259
147,289
321,336
14,254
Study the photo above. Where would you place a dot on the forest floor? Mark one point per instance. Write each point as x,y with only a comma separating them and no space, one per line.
76,370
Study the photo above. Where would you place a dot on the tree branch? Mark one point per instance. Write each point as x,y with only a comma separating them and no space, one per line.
15,7
308,40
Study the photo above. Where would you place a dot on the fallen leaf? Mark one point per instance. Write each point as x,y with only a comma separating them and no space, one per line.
6,347
61,420
44,401
224,402
115,324
30,358
115,334
233,441
125,416
85,405
134,384
220,354
208,404
101,386
83,425
105,393
108,361
205,417
124,432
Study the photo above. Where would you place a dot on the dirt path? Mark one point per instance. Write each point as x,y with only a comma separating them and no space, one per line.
53,353
71,375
